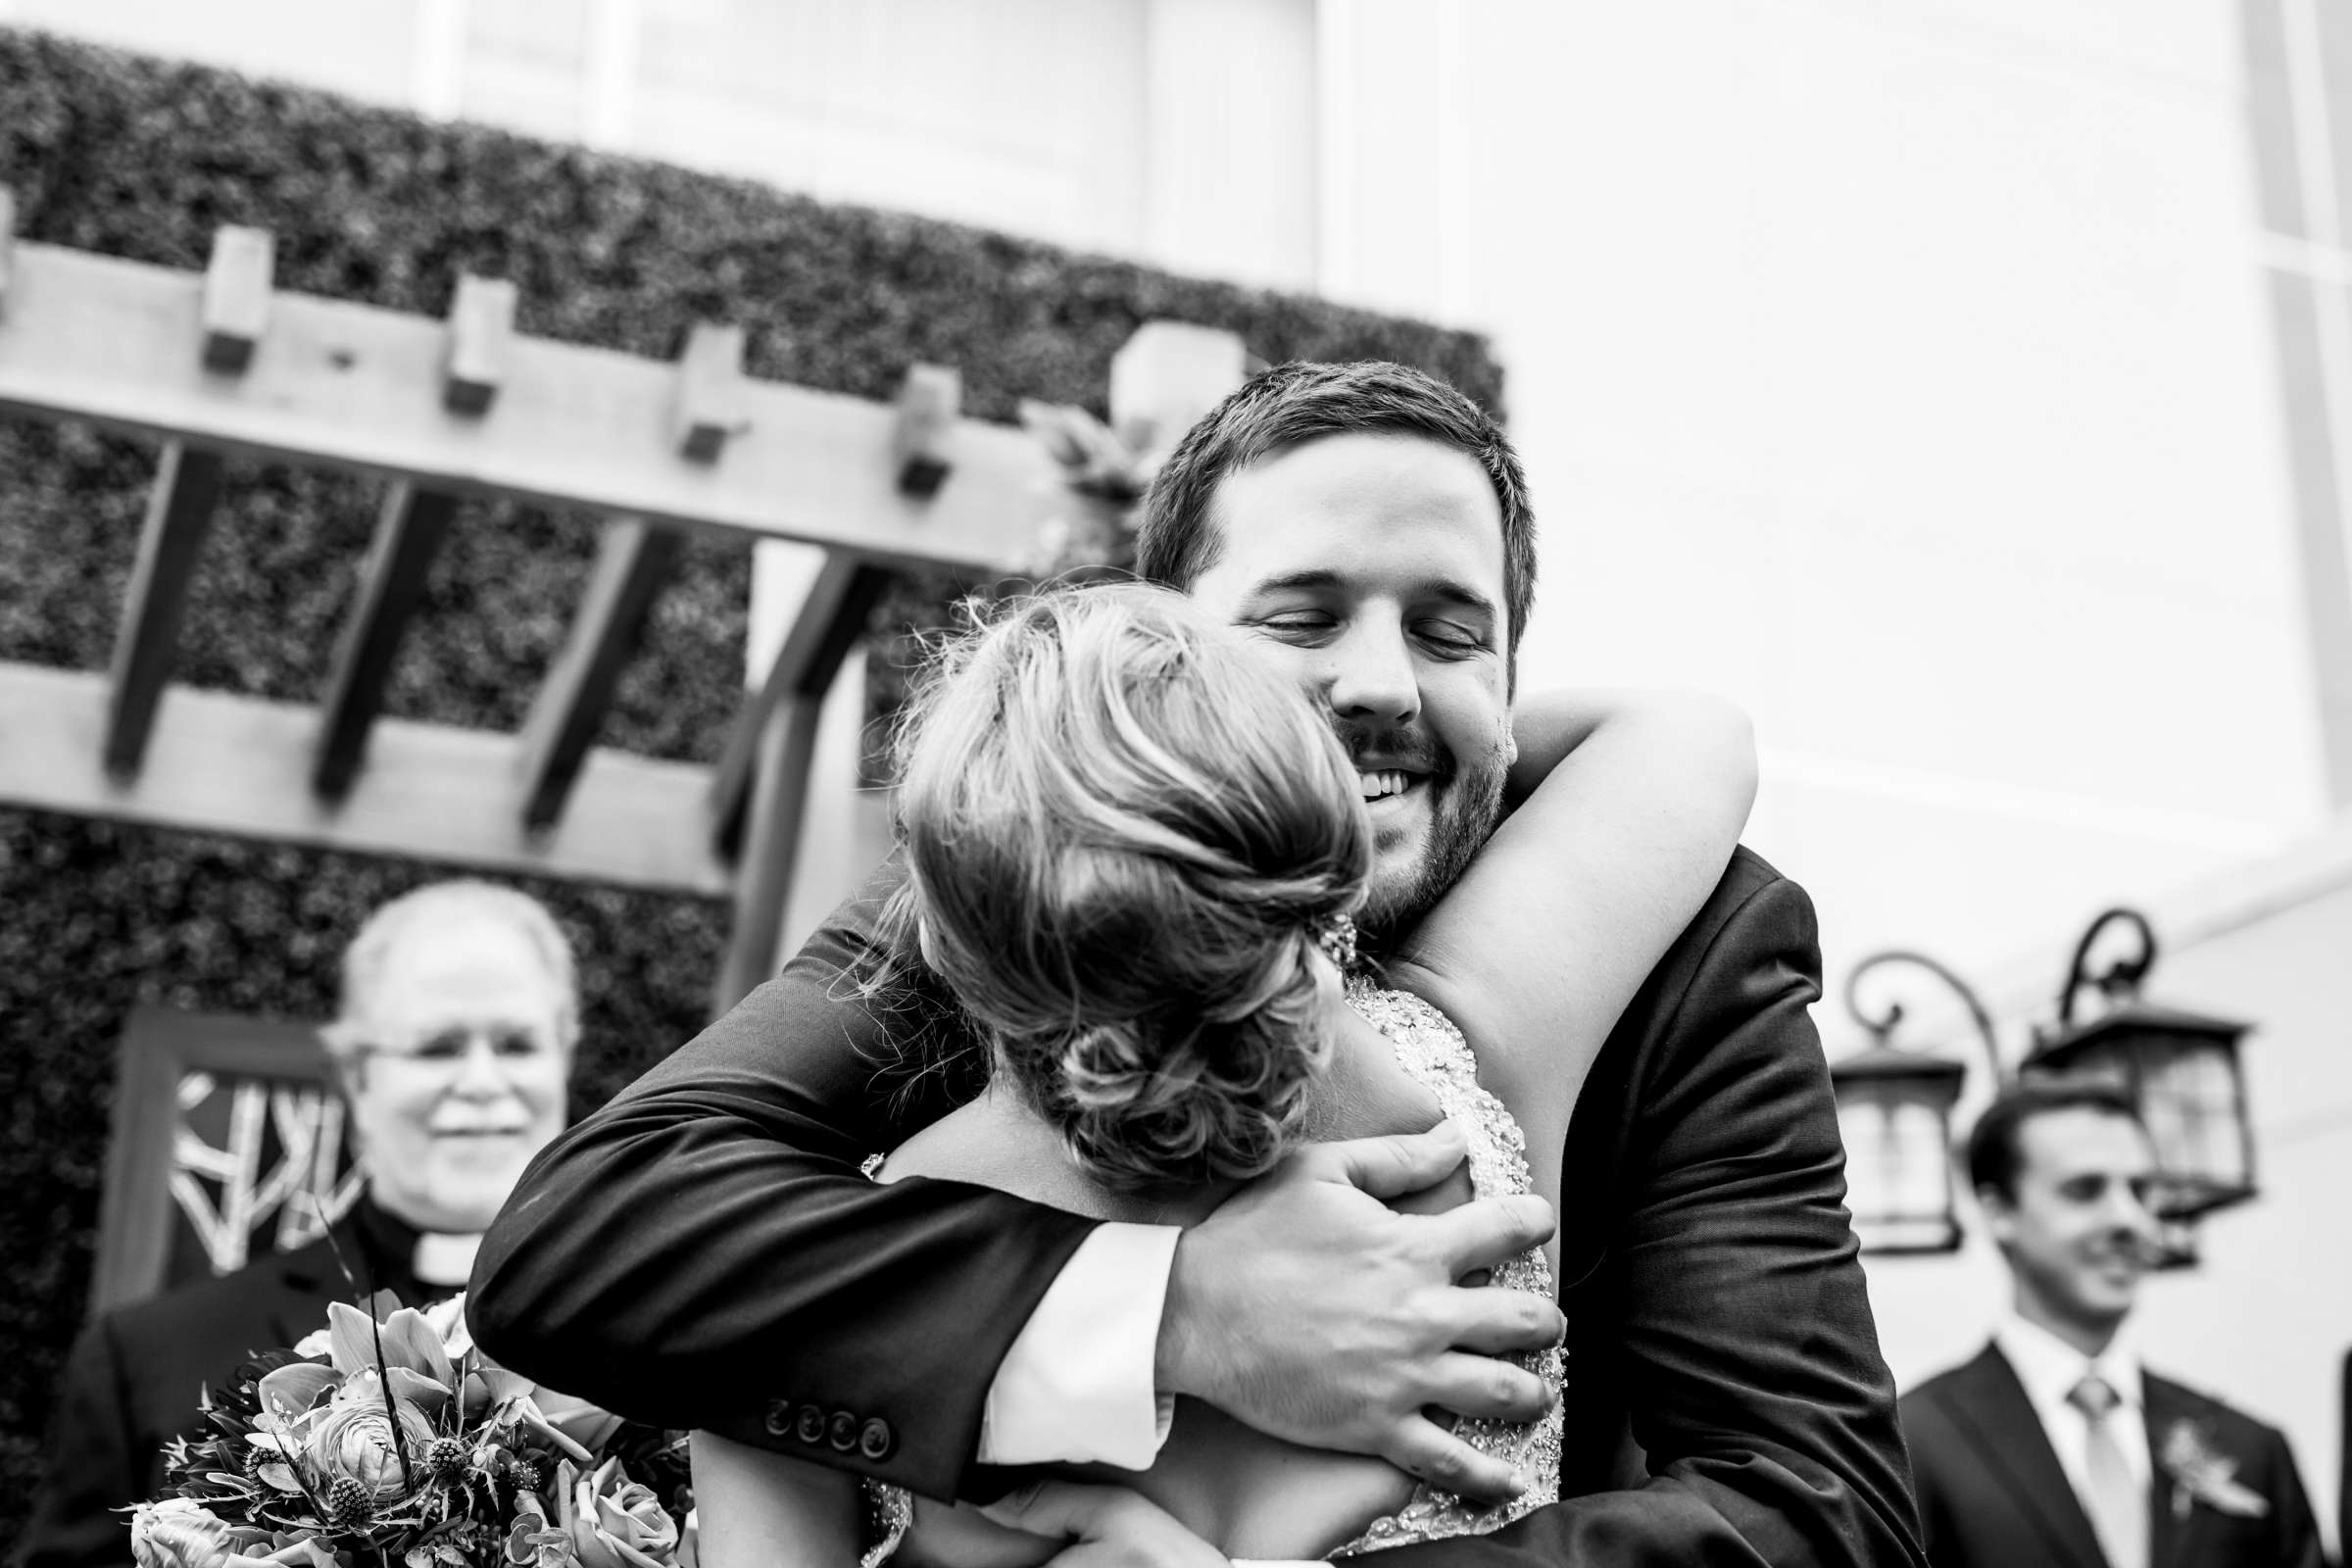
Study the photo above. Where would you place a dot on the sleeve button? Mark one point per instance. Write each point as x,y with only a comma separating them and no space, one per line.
842,1430
876,1440
809,1424
779,1417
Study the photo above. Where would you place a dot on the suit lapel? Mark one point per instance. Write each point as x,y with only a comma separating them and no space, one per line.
1991,1410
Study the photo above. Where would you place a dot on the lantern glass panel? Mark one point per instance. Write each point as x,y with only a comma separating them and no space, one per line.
1898,1165
2189,1096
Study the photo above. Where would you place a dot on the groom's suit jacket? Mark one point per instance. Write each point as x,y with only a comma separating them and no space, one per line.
693,1255
1992,1493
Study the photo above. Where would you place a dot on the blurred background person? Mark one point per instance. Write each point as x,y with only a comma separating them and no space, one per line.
2056,1444
452,1045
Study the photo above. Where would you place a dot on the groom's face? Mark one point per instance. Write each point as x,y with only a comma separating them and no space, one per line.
1371,568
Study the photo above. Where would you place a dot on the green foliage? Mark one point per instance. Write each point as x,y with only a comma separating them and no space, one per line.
143,159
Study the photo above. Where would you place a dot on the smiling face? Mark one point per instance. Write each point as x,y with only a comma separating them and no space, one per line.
1371,568
459,1076
2077,1233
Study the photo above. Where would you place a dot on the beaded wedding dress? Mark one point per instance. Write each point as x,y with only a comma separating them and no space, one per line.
1432,1052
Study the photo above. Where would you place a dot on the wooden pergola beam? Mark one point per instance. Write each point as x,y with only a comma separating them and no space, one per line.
633,560
409,530
180,512
220,763
353,387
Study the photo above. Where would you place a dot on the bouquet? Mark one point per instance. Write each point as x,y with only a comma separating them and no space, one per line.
385,1440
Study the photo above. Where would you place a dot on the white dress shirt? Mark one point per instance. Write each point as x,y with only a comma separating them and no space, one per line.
1076,1386
2050,1368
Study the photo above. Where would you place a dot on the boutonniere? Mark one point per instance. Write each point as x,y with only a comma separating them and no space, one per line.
2201,1474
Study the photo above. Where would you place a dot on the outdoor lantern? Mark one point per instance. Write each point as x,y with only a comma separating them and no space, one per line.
1894,1114
2179,1069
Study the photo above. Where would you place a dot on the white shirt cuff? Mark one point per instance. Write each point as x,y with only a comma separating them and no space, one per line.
1076,1386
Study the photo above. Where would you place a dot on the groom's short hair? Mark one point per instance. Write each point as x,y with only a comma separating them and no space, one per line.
1996,1151
1290,405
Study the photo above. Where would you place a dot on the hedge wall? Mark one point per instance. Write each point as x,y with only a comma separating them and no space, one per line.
143,159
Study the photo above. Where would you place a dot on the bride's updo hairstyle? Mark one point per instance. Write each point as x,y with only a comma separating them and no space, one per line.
1125,832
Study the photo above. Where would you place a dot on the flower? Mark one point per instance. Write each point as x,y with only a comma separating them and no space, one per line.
181,1533
352,1439
613,1521
2202,1474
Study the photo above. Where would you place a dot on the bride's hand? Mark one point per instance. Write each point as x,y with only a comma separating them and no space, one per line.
1105,1527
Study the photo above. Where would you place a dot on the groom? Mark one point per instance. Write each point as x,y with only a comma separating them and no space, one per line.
703,1252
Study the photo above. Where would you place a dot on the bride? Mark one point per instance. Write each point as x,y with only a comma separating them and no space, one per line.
1134,850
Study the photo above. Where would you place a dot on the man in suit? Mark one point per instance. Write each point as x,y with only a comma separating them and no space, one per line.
2055,1444
451,1043
702,1252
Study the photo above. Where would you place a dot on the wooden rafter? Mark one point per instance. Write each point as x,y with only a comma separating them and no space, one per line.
180,512
633,560
481,337
347,386
408,532
220,763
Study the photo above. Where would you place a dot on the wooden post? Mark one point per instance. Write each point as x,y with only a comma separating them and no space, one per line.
1166,377
481,333
180,512
928,403
832,617
778,805
760,790
408,531
712,405
632,561
8,241
236,297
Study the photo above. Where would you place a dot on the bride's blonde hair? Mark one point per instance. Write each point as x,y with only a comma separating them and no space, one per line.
1125,830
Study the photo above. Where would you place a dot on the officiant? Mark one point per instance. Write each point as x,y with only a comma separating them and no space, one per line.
452,1047
2056,1444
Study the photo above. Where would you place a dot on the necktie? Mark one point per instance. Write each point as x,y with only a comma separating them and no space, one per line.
2116,1501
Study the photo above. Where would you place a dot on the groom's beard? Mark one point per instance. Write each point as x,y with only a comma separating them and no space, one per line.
1464,802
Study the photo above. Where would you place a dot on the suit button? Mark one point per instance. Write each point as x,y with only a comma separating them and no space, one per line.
809,1424
779,1417
842,1430
876,1440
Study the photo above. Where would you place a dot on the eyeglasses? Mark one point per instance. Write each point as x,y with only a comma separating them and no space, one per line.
451,1043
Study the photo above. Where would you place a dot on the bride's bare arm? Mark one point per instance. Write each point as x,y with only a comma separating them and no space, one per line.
1633,804
757,1509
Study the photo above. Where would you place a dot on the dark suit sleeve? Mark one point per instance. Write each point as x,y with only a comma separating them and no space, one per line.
703,1251
90,1467
2298,1532
1726,1312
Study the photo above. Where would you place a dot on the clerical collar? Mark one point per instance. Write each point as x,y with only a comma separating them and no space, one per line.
415,1265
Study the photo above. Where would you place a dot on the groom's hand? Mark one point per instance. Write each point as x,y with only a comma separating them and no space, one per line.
1306,1307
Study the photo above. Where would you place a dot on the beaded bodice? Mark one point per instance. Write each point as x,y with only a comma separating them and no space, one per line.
1432,1052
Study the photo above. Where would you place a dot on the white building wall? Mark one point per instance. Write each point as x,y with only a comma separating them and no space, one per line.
1906,373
